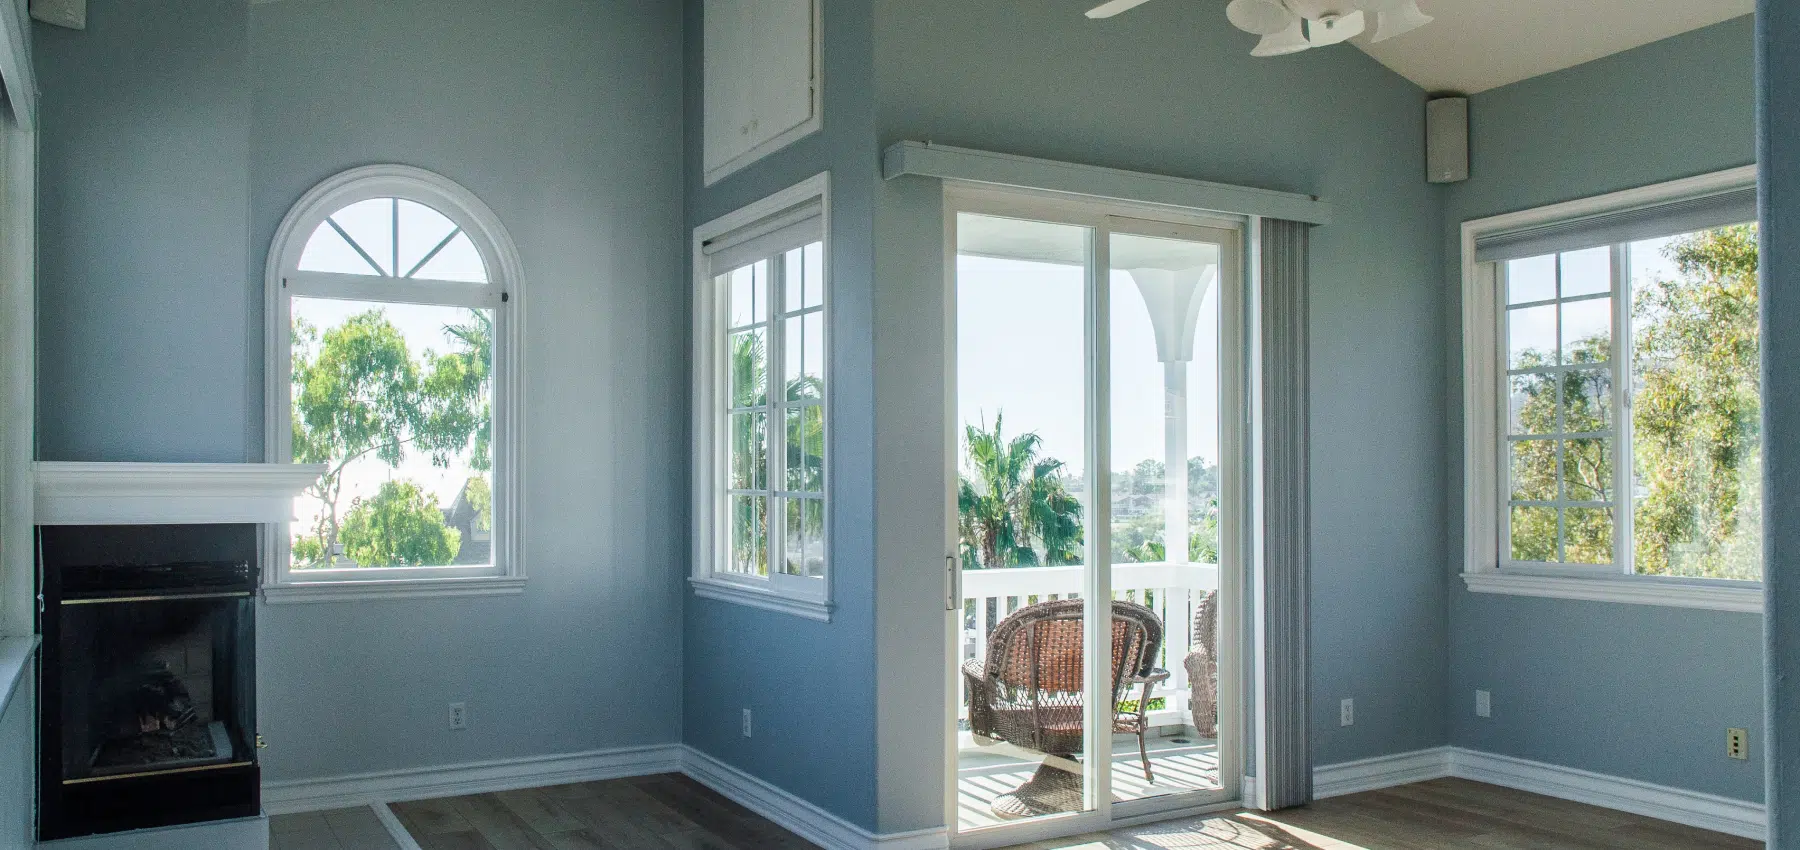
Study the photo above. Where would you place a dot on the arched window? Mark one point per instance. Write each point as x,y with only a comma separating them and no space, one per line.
393,319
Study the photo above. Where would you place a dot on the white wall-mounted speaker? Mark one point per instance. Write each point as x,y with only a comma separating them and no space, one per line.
62,13
1447,139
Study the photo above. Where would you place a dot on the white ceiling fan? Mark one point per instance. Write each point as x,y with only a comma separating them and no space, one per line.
1290,26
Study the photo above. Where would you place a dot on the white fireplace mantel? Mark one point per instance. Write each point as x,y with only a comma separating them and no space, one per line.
168,493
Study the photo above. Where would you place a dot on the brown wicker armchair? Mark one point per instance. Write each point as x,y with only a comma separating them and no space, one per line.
1028,691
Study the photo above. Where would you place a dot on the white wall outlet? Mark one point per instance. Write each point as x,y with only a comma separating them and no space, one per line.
1347,713
1737,743
746,722
1484,704
459,716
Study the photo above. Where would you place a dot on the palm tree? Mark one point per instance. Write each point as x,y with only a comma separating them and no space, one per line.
1013,508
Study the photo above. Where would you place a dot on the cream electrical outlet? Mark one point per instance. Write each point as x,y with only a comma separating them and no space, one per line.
1737,743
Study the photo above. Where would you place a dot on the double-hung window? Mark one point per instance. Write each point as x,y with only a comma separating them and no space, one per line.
393,301
761,405
1613,403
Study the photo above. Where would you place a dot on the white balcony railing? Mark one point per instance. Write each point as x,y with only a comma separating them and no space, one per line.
1168,589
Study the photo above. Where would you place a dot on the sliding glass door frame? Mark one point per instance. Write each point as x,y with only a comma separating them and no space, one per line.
1103,219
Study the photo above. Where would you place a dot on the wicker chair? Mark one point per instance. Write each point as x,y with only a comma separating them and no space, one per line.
1202,665
1028,691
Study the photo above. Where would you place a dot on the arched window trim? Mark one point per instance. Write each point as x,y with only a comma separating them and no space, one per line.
503,294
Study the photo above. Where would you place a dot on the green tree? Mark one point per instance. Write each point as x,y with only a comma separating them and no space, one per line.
358,392
1587,464
1137,519
401,526
1696,417
1013,506
481,498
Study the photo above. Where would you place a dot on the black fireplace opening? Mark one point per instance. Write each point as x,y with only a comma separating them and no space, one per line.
148,707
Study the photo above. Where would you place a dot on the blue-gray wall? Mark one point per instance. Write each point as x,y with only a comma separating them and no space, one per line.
175,135
1778,127
1170,88
810,684
144,350
1634,691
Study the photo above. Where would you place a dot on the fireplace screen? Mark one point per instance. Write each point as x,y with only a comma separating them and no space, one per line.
148,707
148,685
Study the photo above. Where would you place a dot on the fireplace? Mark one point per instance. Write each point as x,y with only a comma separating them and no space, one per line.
148,701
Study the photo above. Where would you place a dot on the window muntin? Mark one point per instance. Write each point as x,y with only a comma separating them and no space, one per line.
393,237
391,335
1674,320
773,417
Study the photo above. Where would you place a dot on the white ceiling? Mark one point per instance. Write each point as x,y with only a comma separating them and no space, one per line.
1476,45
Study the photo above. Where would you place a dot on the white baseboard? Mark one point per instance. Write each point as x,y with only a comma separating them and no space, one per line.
1678,805
799,816
791,812
473,778
1350,777
1693,808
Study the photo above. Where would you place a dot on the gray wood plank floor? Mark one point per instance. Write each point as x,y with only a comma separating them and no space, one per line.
664,812
672,812
1441,813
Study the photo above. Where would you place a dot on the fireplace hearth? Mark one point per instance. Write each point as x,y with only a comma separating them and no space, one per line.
148,703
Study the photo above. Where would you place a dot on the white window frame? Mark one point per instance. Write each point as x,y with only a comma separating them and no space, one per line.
503,295
1484,438
806,597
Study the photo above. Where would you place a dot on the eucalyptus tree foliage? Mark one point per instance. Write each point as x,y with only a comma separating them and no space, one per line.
359,392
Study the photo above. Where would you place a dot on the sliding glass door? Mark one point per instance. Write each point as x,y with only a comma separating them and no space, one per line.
1096,515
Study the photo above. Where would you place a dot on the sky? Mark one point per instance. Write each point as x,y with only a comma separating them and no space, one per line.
1020,350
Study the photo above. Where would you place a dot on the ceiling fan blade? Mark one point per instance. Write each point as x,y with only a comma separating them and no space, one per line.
1259,17
1290,40
1399,19
1114,7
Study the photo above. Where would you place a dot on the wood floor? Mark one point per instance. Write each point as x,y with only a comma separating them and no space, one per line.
672,812
664,812
1441,813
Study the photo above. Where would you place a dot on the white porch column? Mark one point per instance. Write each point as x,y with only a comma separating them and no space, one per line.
1173,298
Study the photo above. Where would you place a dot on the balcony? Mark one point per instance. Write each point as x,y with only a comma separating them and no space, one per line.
1180,760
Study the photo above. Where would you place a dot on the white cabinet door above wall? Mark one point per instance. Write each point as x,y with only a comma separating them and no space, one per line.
761,80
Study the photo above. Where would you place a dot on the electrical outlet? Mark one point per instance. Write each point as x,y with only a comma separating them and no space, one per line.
459,716
1347,713
1737,743
746,722
1484,704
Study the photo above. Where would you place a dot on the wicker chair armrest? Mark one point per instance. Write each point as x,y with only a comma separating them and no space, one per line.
1155,677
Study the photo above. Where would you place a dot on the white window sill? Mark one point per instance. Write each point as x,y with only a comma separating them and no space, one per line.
356,591
1743,597
768,600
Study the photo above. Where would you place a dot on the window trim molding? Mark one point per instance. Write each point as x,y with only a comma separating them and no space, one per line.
706,582
507,574
1482,569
